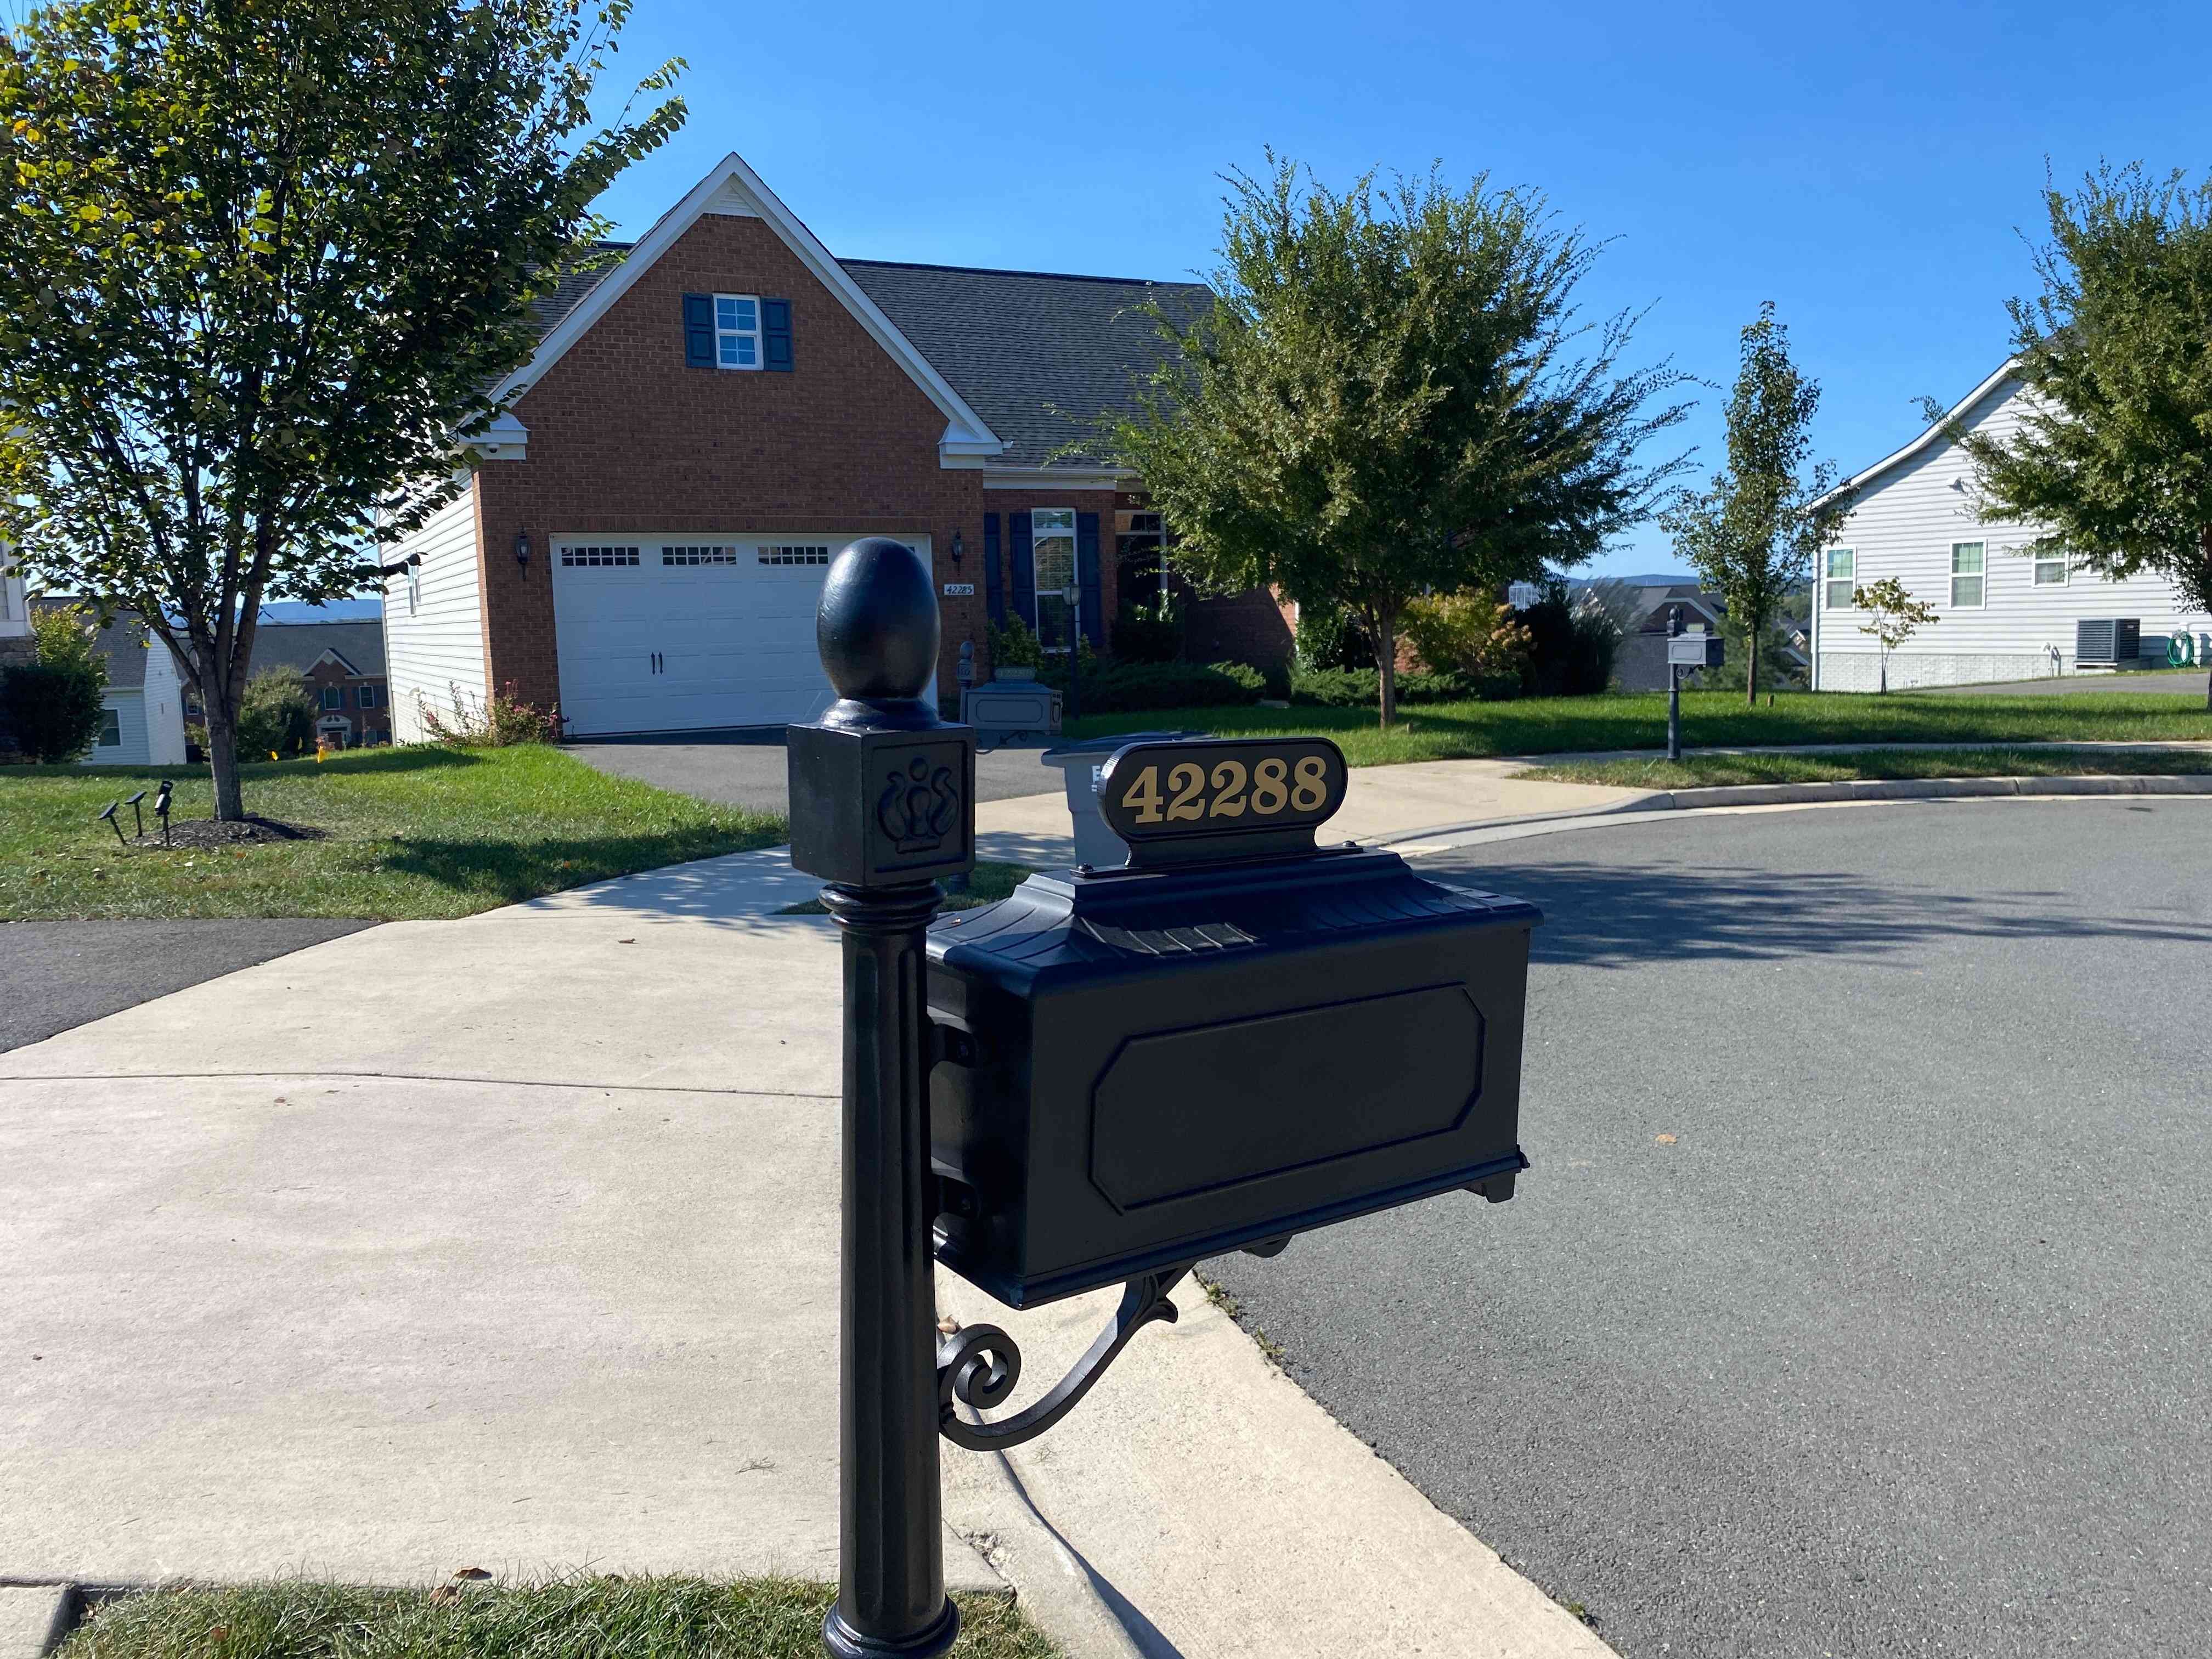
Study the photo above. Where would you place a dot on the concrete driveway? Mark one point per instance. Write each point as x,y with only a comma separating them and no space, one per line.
1856,1302
746,768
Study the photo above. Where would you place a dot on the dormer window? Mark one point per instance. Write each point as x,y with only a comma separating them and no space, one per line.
737,331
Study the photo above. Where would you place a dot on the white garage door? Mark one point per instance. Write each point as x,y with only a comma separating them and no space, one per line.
664,632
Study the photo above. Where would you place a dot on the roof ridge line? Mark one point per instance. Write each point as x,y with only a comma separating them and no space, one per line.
1005,271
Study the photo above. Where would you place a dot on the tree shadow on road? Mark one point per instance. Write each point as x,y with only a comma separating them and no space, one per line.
1608,915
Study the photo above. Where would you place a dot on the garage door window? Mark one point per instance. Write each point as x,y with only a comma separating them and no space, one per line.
698,555
793,553
574,557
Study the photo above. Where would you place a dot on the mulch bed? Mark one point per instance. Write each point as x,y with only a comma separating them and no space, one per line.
236,832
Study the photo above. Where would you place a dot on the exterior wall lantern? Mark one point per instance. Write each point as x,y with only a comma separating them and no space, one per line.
1237,1036
958,549
522,550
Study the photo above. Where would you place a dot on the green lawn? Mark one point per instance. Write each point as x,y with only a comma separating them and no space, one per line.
1701,770
408,832
1553,725
577,1617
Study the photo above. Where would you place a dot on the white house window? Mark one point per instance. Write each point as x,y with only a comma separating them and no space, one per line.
598,555
1967,575
698,555
793,553
1842,569
737,331
334,696
111,729
2051,570
1052,555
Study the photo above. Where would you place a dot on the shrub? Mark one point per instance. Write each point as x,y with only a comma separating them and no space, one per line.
51,706
1124,688
1014,646
276,715
1148,634
53,713
1361,688
1468,635
1331,639
500,721
1571,646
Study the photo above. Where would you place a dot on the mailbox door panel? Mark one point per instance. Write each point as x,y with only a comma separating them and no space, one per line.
1238,1145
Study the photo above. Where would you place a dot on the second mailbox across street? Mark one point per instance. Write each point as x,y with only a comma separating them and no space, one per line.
1237,1037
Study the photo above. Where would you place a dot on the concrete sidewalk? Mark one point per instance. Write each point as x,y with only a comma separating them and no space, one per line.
530,1263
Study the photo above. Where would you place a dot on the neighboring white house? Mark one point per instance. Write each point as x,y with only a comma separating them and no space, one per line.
2001,615
143,715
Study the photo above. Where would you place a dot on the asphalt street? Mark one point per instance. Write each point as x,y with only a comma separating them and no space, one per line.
1858,1300
57,975
746,768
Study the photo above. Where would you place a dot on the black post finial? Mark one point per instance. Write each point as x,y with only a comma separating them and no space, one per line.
878,628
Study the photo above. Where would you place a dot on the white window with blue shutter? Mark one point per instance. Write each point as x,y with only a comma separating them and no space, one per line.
737,331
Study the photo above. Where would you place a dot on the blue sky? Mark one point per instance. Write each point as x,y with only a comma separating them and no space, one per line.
1867,168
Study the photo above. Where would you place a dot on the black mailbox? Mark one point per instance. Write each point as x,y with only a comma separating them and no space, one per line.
1699,650
1237,1038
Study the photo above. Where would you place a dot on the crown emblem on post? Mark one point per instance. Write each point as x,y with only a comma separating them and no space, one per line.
919,807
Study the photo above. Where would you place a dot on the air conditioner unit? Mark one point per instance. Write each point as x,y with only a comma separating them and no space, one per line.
2107,640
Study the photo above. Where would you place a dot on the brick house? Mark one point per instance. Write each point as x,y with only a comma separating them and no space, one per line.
712,413
343,663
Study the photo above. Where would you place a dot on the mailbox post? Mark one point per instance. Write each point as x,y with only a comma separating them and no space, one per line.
1686,650
1238,1037
883,803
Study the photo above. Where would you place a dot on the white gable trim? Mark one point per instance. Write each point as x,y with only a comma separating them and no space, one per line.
1857,482
735,190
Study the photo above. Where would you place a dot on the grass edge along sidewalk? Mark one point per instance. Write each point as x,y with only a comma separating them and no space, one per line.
1565,726
1700,770
580,1616
413,833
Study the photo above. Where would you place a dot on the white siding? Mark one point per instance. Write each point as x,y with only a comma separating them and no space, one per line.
129,709
1904,526
433,620
162,706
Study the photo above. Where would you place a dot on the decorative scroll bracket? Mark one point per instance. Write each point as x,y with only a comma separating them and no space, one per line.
980,1365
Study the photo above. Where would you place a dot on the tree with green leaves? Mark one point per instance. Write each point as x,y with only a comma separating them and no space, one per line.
262,262
2111,460
1894,616
1752,533
1392,396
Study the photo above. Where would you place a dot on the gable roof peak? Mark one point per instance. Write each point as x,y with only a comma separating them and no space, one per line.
731,189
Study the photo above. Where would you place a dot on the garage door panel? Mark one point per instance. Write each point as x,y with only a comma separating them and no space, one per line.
667,632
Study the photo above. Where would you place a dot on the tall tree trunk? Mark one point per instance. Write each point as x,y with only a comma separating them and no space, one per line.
1751,667
1383,628
223,761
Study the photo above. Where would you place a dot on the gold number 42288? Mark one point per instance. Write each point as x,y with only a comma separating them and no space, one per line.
1275,784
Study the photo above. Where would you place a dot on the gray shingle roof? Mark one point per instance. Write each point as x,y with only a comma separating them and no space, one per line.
122,642
1039,356
301,645
574,285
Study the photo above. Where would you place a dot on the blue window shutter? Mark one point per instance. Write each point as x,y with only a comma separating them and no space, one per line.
1022,559
699,330
775,334
1086,571
994,587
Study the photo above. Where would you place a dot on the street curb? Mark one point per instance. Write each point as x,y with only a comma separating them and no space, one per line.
35,1618
1850,789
